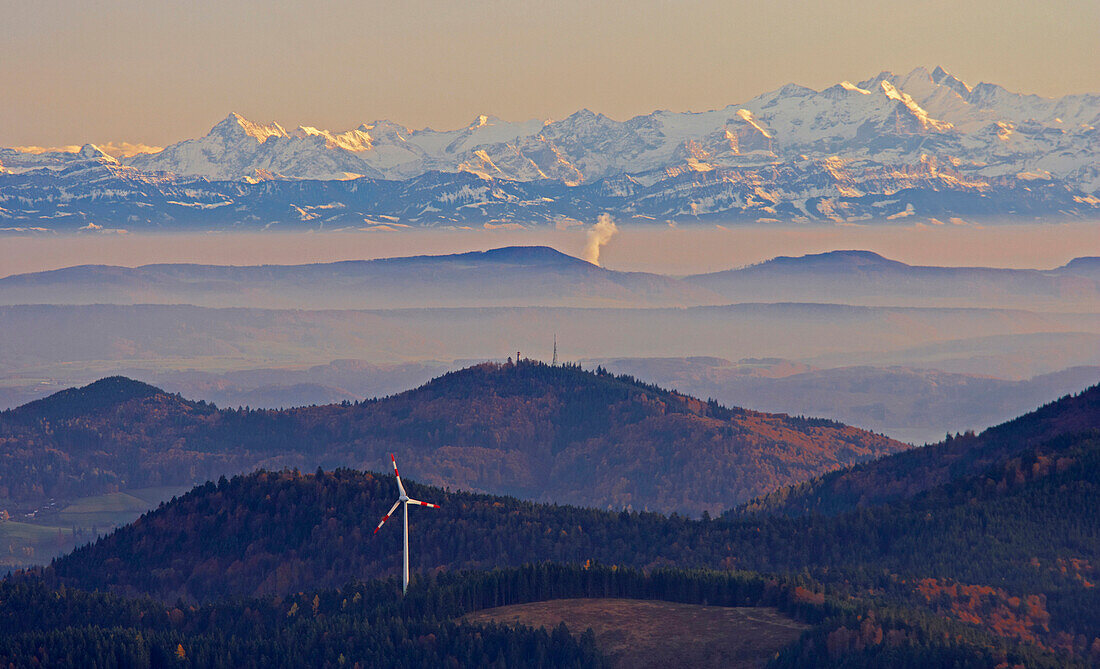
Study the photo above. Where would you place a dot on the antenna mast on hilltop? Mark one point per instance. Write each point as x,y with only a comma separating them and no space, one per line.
554,362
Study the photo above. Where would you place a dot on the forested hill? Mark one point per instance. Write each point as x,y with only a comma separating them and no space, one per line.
1013,550
370,624
541,432
103,395
904,475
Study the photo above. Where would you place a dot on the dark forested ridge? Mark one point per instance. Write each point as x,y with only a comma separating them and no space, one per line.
1012,551
368,624
360,625
904,475
992,568
552,433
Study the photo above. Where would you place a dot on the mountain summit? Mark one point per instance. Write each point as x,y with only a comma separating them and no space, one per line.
922,144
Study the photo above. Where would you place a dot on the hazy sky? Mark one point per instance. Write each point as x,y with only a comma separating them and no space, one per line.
156,71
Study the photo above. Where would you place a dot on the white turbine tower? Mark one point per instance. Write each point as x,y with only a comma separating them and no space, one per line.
404,501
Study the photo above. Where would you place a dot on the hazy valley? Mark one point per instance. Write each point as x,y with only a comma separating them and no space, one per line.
911,351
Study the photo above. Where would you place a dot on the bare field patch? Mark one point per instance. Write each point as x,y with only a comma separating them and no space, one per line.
646,633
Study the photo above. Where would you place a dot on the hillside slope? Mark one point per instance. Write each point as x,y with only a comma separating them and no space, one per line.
1012,550
532,430
866,278
905,475
655,635
913,404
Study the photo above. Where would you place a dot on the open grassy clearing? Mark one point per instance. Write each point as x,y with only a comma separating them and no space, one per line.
117,508
52,534
22,544
644,633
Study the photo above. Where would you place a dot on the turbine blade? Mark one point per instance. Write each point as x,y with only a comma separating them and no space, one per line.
387,516
419,503
395,473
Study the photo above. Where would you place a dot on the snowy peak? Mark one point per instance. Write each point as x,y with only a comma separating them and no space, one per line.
235,125
93,152
483,120
910,105
355,141
849,86
890,124
945,78
387,130
580,123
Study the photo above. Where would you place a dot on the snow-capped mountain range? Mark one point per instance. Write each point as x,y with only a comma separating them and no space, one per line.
924,144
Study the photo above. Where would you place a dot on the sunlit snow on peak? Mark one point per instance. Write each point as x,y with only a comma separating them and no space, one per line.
847,85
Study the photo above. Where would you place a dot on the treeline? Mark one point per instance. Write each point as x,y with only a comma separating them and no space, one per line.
362,625
1027,528
369,624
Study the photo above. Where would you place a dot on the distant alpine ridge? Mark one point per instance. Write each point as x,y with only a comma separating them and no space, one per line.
924,146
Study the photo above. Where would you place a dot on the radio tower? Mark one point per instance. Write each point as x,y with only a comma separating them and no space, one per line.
554,362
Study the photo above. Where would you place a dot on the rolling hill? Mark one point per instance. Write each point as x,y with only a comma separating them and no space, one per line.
529,429
509,276
909,474
1010,549
542,276
864,277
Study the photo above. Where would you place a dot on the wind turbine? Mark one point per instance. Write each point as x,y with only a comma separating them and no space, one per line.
404,501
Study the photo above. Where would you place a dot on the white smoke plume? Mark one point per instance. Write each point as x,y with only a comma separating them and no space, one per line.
598,235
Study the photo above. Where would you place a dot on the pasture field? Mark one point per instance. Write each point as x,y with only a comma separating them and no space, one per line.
54,533
646,633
